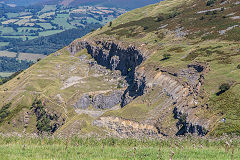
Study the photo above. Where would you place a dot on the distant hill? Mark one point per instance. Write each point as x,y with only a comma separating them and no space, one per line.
20,2
126,4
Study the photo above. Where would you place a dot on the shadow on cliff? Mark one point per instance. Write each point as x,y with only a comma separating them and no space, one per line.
114,57
187,128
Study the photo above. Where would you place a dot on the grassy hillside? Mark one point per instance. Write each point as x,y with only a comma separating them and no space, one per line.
186,58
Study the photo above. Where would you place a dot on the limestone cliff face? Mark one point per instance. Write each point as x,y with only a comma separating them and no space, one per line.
116,57
182,95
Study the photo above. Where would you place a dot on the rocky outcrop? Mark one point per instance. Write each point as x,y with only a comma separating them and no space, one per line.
184,96
100,101
125,128
116,57
107,101
84,102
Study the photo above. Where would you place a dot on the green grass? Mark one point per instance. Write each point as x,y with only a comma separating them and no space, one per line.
24,29
48,8
30,57
91,20
17,37
228,105
7,54
5,74
12,15
111,148
45,25
47,33
61,20
7,30
3,44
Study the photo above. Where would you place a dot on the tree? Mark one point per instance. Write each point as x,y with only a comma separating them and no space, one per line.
110,24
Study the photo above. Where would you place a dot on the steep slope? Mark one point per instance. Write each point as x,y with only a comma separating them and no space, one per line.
170,68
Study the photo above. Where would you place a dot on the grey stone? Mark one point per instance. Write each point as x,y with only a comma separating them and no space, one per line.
84,102
105,102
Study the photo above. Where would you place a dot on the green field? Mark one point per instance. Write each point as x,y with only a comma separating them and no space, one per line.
30,57
12,15
26,29
47,33
45,25
48,8
6,30
3,44
48,21
21,56
111,148
7,54
61,20
5,74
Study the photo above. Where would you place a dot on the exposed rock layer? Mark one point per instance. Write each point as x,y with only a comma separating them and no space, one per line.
182,95
115,57
126,128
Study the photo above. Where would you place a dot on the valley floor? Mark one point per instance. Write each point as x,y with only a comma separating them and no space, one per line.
110,148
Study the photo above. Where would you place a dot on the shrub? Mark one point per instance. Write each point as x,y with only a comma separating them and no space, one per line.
43,124
223,88
202,18
172,15
43,120
183,118
4,112
166,56
145,27
120,84
159,19
238,67
210,2
110,24
214,12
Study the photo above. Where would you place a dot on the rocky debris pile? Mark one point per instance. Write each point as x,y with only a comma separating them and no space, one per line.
125,128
